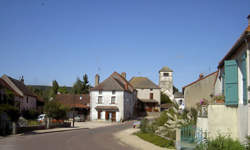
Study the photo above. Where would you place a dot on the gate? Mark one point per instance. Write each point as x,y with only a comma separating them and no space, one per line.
190,136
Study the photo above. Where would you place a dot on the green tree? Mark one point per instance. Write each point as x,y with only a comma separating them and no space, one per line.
175,89
56,110
165,99
63,90
85,84
77,87
54,89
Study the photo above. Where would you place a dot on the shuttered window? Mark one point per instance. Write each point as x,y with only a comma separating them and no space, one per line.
231,82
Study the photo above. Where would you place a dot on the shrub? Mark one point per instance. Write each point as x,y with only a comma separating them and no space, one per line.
11,111
221,143
30,114
56,110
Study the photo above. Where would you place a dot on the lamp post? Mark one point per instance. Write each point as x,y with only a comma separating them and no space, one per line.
74,110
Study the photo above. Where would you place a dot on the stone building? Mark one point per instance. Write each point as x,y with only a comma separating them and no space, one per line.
148,93
166,81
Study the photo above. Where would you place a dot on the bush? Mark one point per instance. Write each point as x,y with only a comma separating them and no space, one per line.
11,111
221,143
56,110
157,140
30,114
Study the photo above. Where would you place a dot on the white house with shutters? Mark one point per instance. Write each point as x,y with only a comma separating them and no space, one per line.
113,99
233,81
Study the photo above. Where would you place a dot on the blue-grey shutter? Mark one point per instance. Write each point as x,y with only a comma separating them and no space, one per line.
231,82
244,76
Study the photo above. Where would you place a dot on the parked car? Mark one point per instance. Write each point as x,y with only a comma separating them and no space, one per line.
41,117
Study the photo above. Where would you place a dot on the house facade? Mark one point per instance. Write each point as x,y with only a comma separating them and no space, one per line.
24,98
148,93
113,99
203,88
232,82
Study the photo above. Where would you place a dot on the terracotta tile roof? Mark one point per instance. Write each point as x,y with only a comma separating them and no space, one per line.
77,101
235,48
216,72
143,83
114,82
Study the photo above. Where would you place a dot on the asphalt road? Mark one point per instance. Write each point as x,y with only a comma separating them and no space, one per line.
84,139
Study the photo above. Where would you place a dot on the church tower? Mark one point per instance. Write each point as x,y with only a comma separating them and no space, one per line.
166,81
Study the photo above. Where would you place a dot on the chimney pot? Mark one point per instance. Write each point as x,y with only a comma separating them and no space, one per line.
97,79
123,74
201,75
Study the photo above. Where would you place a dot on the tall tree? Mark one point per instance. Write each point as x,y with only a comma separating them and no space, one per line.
77,87
54,88
85,84
63,90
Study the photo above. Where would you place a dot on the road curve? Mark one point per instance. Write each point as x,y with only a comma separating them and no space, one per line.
84,139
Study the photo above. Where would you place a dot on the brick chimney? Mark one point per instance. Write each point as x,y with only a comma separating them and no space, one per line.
126,86
123,74
97,79
201,76
248,17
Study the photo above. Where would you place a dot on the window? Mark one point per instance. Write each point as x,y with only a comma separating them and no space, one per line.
165,74
99,99
100,92
113,92
151,95
27,100
151,89
113,100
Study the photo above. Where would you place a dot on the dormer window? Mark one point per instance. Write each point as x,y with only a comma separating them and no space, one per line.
165,74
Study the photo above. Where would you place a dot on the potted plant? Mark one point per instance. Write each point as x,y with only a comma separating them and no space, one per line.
219,99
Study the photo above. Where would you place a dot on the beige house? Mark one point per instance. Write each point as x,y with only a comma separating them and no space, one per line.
203,88
147,92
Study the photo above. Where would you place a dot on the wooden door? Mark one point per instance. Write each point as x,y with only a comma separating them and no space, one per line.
99,114
114,116
107,115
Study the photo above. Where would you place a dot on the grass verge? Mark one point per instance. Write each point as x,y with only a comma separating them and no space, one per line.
154,139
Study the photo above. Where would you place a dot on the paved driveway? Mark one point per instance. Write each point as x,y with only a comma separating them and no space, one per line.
83,139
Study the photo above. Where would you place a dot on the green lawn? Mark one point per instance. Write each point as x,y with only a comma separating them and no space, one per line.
157,140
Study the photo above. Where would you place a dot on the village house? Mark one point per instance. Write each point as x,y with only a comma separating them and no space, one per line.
113,99
78,104
179,99
231,116
24,98
201,89
148,93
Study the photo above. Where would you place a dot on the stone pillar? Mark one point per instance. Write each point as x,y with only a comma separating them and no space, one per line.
13,128
178,139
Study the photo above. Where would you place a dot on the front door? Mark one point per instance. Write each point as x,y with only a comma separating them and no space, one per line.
106,115
113,116
99,114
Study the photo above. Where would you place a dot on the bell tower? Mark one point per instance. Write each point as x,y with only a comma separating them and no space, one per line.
166,81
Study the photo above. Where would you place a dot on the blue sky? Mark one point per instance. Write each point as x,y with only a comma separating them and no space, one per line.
44,40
